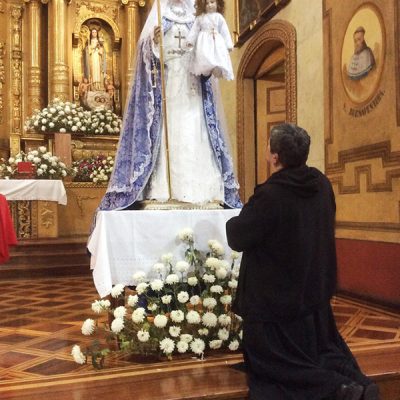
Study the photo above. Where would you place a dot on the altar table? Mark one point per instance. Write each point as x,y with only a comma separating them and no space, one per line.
34,206
125,242
34,189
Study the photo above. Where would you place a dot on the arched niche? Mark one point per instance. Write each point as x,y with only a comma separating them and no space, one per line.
265,41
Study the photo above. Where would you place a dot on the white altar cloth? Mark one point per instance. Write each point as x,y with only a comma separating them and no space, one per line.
125,242
34,189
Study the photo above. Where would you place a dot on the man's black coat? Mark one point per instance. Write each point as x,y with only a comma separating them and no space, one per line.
286,233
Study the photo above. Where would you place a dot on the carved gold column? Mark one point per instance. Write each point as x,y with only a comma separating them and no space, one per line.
34,64
58,76
16,78
132,36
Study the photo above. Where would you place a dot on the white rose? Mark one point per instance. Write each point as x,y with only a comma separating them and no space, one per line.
193,317
209,319
141,288
186,337
174,331
166,299
233,345
181,266
117,290
215,344
216,289
182,347
157,285
223,334
139,276
132,300
120,312
227,299
194,300
172,279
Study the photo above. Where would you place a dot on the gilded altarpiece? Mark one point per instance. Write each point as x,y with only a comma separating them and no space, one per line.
43,55
362,127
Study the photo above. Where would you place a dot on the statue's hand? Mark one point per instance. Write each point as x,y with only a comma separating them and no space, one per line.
157,33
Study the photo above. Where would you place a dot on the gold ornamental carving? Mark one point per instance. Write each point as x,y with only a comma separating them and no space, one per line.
2,77
95,8
16,68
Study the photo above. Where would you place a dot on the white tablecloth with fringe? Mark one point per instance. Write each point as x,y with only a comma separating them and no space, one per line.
34,189
125,242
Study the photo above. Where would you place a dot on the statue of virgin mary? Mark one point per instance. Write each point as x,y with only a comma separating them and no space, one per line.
201,169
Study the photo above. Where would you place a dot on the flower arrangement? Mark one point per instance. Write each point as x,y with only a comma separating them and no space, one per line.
186,308
95,169
45,165
60,116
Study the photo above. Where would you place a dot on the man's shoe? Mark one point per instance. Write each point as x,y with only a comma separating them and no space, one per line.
371,392
353,391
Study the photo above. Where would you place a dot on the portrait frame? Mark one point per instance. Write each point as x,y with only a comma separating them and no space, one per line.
250,15
368,17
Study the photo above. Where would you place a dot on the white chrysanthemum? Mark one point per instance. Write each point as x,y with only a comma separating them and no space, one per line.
203,332
117,325
235,273
186,235
233,283
216,247
209,302
171,279
166,299
194,300
221,273
177,316
159,268
226,299
193,281
181,267
143,335
139,277
213,263
186,337
120,312
78,355
216,289
117,290
208,278
193,317
197,346
167,345
152,307
182,347
224,320
235,255
133,300
88,327
141,287
157,285
174,331
167,258
183,297
106,304
215,344
160,321
223,334
209,319
233,345
138,315
241,335
97,307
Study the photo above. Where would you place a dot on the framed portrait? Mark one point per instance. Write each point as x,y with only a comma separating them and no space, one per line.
251,14
363,52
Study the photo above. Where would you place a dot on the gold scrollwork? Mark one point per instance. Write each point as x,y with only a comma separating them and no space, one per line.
16,62
24,219
2,77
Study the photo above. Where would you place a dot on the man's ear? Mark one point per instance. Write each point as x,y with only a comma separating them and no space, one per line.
275,159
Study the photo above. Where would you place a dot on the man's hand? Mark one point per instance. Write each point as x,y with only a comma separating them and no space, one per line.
157,33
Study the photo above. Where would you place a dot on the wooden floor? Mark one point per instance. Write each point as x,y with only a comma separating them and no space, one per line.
40,321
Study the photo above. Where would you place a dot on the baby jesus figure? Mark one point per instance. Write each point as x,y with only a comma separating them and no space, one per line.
211,41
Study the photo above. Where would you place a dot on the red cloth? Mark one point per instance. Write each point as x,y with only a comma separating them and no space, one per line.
7,233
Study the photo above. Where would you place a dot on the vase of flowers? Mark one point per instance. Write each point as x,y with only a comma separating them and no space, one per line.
94,169
44,165
184,309
67,117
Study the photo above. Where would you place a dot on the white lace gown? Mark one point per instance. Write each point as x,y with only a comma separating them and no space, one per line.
212,42
194,173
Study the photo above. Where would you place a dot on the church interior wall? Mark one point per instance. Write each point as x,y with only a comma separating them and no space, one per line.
4,68
362,142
